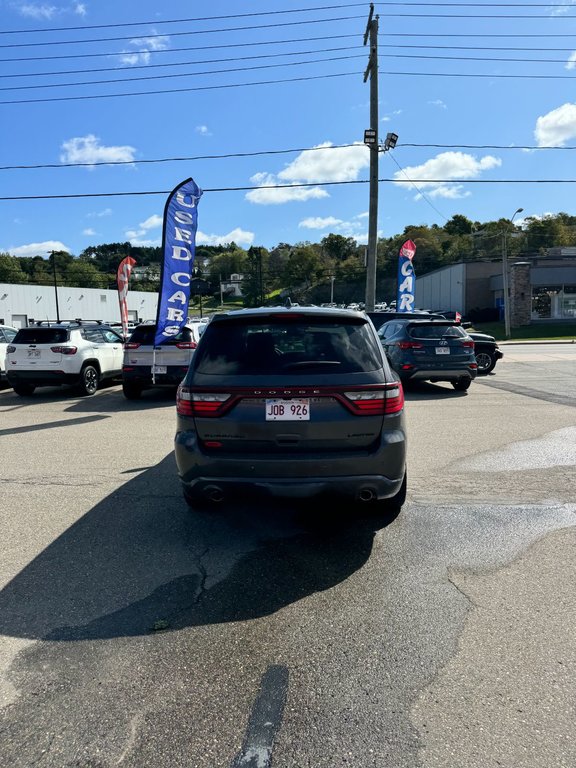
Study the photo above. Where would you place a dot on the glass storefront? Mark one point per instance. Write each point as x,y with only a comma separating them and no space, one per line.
554,302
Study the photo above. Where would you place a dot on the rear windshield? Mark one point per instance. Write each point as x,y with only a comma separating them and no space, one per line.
435,331
41,336
287,346
144,334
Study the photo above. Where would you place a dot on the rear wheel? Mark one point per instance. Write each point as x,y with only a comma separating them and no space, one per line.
24,389
131,391
485,362
462,384
89,380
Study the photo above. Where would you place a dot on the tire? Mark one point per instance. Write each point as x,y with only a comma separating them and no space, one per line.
486,363
24,389
89,381
462,385
131,391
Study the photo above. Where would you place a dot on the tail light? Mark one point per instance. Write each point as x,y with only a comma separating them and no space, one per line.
64,350
468,344
410,345
371,402
131,345
186,345
200,403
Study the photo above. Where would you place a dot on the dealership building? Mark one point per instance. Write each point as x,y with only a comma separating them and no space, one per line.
22,305
542,288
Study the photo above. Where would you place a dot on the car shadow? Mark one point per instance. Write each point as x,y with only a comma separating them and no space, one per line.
426,390
140,561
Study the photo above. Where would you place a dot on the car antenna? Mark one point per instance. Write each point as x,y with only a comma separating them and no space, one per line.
288,303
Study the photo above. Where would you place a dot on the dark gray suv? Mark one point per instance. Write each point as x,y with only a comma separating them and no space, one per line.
291,402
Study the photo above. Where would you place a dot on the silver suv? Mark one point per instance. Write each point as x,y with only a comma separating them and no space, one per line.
146,366
78,353
291,402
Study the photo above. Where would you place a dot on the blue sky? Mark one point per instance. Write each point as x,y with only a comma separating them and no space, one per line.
265,105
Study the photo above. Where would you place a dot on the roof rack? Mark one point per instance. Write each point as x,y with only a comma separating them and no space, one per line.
77,321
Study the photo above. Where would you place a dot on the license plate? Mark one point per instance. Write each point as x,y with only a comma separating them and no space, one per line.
33,353
442,350
158,369
288,410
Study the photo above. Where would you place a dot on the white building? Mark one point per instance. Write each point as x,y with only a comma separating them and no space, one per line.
21,304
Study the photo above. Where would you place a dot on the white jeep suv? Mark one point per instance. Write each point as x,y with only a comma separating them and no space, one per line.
78,353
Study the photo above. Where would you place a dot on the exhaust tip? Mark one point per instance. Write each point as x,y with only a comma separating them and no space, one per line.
214,494
366,494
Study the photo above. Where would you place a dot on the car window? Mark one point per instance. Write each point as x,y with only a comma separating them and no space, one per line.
144,334
41,335
110,336
7,334
232,347
435,331
92,334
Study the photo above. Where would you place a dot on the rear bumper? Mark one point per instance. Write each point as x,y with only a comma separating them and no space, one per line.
435,374
377,474
141,376
42,378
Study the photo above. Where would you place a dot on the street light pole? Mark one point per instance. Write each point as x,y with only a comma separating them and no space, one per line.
505,281
332,278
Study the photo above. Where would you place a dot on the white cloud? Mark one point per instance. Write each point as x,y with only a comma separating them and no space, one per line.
37,249
562,9
325,163
203,130
87,149
47,11
135,235
571,63
152,222
275,195
438,103
100,214
239,236
441,169
316,222
144,46
89,231
555,128
39,11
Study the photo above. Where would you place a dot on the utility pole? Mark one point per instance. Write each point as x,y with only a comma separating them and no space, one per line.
53,254
371,34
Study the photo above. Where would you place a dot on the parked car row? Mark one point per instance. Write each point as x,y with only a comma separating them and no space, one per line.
83,354
285,401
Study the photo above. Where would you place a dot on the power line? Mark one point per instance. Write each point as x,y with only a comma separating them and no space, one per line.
178,90
219,60
294,186
157,22
251,28
182,74
195,48
424,197
247,69
262,153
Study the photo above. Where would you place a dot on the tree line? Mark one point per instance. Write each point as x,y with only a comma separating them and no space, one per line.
334,268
